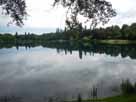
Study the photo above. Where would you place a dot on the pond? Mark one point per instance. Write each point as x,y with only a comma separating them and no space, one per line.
65,70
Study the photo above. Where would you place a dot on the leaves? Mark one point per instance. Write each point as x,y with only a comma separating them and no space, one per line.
94,11
16,9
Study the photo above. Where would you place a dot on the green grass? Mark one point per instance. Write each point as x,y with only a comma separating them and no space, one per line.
117,41
125,98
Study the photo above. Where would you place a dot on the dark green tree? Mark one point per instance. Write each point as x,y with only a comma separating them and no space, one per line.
16,34
133,31
116,33
127,87
79,98
135,87
125,31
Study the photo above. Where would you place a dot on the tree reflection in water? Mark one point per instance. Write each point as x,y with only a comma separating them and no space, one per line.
82,48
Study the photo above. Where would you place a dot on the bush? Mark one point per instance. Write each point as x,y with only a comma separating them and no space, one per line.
79,98
135,87
127,87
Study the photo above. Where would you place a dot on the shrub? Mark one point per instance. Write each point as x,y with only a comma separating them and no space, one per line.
79,98
127,87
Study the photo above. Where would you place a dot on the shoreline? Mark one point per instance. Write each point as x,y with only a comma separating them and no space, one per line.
121,98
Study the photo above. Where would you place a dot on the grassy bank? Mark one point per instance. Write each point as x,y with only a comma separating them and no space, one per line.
120,42
125,98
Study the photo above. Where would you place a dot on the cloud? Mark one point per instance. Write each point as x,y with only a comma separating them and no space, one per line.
4,19
126,12
42,14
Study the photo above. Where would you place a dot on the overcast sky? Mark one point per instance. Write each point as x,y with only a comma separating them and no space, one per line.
44,18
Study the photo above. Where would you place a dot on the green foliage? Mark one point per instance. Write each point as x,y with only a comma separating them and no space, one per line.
125,31
127,87
115,32
7,38
79,98
135,87
126,98
133,31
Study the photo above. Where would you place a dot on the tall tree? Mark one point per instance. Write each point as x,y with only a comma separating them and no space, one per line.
125,30
133,30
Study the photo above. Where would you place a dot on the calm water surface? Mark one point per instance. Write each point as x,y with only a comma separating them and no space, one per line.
41,72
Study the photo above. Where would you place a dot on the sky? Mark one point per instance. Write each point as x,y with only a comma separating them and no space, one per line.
42,17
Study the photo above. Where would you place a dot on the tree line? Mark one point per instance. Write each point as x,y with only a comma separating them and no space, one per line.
126,32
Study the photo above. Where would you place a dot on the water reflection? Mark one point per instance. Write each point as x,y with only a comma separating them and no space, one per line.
83,48
92,48
37,73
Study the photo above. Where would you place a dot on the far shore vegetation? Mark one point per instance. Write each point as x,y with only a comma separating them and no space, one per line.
110,35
